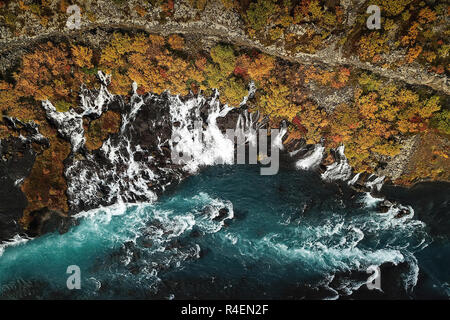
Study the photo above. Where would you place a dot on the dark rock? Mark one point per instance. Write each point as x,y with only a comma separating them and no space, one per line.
16,160
402,212
384,206
196,233
46,221
222,214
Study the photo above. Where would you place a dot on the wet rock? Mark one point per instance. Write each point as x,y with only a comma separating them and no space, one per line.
292,144
196,233
45,221
328,159
16,161
384,206
222,214
402,212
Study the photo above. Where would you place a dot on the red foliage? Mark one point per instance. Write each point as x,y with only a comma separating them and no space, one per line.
239,71
298,123
163,73
336,138
416,119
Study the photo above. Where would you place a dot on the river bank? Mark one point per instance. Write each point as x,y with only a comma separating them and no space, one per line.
385,114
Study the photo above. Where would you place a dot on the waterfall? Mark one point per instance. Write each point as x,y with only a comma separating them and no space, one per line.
143,158
340,169
311,161
70,123
190,143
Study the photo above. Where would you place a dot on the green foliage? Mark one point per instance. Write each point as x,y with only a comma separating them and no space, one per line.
224,56
260,12
235,91
369,82
215,77
392,8
62,106
441,121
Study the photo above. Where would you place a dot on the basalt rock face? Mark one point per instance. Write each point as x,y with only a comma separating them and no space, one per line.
17,158
137,163
132,165
45,220
142,160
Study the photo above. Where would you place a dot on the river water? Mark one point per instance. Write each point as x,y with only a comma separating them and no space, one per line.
229,232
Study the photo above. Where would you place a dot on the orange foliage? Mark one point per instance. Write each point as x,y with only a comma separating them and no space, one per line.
410,38
50,73
336,79
413,53
82,56
176,42
260,68
426,15
98,130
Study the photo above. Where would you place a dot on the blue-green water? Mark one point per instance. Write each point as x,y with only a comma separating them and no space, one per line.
290,235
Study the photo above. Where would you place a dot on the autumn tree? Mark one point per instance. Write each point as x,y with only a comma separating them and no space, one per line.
176,42
224,56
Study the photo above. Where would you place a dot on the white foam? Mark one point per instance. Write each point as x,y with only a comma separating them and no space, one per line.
251,93
17,240
70,123
313,160
340,169
277,141
377,183
354,179
199,146
370,201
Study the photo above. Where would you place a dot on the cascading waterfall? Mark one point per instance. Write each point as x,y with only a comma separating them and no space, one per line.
134,165
199,147
312,160
226,228
340,169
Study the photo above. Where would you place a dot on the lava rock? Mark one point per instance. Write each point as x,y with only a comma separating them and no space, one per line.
222,214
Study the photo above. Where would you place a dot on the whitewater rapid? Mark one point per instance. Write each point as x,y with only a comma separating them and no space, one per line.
125,238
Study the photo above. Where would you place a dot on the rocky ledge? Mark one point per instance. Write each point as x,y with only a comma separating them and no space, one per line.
136,164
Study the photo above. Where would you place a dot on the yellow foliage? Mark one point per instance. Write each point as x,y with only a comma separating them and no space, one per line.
371,46
314,121
176,42
392,8
261,67
275,102
82,56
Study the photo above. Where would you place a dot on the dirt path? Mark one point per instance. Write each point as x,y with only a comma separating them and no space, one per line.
329,56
